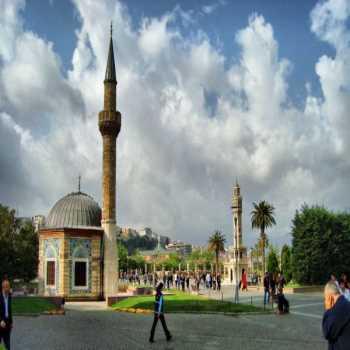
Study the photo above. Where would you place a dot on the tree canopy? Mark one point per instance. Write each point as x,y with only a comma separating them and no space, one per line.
286,262
262,217
18,247
272,260
122,256
321,244
216,244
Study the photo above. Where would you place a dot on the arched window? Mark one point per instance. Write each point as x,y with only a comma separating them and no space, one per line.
50,266
80,267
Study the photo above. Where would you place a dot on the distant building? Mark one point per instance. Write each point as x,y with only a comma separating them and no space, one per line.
180,247
148,232
155,254
127,232
38,221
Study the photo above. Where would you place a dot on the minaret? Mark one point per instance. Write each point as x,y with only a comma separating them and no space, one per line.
109,122
237,217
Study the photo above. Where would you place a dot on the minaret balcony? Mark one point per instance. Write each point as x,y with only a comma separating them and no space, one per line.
109,122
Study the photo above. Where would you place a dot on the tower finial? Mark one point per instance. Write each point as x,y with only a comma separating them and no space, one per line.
110,69
79,182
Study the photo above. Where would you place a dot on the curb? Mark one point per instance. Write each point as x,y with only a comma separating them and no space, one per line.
44,313
149,312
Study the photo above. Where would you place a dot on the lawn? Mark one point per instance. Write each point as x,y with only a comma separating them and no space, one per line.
31,305
292,284
183,302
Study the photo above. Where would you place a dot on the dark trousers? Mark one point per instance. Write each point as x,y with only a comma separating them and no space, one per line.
5,337
155,321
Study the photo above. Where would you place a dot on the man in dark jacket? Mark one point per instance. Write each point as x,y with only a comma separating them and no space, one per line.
159,314
5,314
266,288
336,320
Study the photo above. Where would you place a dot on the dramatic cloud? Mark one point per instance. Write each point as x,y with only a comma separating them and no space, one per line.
191,121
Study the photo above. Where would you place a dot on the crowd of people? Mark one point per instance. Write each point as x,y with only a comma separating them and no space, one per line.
180,280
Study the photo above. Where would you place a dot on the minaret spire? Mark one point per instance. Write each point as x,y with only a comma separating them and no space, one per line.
110,69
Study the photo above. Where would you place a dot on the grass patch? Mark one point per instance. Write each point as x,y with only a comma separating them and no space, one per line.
183,302
293,285
31,305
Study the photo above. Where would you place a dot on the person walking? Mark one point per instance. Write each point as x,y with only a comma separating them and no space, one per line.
218,281
266,288
244,281
159,314
333,279
183,282
6,322
336,319
344,290
273,286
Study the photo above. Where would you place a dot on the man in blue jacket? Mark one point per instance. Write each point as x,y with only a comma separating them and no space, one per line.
336,320
159,314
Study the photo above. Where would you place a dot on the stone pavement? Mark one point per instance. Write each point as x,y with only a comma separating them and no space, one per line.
305,304
86,329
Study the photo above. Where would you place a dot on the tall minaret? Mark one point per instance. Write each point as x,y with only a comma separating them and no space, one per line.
237,217
109,122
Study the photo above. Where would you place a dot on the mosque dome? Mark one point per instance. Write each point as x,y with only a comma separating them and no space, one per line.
75,210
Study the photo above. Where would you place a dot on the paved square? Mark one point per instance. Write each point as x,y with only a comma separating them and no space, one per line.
86,329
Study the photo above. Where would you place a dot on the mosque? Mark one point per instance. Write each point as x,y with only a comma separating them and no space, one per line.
77,244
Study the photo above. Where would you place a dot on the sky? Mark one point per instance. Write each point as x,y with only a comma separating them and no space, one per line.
209,91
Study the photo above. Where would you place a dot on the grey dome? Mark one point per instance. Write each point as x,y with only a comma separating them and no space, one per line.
76,209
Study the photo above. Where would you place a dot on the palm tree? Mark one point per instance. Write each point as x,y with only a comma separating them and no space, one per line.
262,217
216,244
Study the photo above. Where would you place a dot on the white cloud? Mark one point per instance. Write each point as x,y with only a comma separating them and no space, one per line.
191,122
210,8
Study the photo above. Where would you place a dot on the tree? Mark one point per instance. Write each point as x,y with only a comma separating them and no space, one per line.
262,217
18,247
272,260
136,261
122,256
286,262
320,245
217,245
172,262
